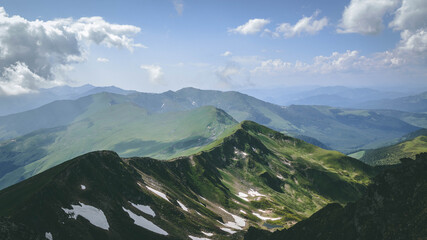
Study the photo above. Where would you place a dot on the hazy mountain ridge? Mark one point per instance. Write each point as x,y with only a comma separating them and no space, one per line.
285,175
414,103
353,129
25,102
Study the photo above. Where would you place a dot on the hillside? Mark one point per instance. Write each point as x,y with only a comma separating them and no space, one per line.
410,145
416,103
394,207
25,102
122,127
252,176
340,129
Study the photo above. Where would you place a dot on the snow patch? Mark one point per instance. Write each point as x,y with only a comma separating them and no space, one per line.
240,153
197,238
142,222
265,218
82,187
243,196
228,230
158,193
254,193
208,234
144,209
280,177
182,206
48,236
194,103
162,105
238,223
242,211
94,215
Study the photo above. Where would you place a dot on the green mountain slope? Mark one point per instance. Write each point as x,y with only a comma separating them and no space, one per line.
340,129
411,145
123,127
251,176
394,207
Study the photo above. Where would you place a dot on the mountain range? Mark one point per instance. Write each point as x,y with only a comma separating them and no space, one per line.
174,124
252,176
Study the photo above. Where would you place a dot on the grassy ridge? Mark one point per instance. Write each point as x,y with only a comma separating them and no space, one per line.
293,179
123,127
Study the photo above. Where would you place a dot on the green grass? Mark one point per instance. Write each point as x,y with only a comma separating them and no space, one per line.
392,154
124,128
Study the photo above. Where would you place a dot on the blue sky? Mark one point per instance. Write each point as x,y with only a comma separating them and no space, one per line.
159,45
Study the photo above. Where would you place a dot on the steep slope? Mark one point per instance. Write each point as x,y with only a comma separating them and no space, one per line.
410,146
340,129
252,176
122,127
394,207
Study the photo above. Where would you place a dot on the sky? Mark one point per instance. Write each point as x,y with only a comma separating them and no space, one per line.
160,45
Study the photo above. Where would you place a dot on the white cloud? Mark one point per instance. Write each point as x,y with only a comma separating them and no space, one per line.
225,73
155,73
365,16
226,54
179,6
251,27
34,52
102,60
308,25
411,15
414,42
336,62
18,79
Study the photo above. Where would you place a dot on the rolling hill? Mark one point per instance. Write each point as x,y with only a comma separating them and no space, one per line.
123,127
340,129
394,207
25,102
252,176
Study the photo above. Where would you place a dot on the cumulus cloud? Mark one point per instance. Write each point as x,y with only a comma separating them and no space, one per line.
347,61
102,60
179,6
365,16
413,41
226,54
155,74
411,15
32,52
309,25
253,26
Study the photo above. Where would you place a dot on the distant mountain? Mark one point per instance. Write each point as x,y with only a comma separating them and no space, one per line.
341,129
415,103
123,127
408,147
334,96
25,102
394,207
252,176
